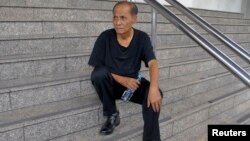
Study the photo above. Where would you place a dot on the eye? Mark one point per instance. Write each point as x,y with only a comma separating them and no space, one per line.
123,18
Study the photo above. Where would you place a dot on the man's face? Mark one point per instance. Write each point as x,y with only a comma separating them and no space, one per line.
123,20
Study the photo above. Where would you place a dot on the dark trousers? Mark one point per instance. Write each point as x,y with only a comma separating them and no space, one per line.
109,90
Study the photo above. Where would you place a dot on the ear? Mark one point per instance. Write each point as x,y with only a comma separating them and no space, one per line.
135,19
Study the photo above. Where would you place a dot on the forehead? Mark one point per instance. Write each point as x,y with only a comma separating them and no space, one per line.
122,9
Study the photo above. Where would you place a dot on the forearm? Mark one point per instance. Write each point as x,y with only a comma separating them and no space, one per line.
127,82
154,73
118,78
154,97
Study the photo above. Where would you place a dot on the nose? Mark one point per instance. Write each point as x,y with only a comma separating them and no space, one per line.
117,22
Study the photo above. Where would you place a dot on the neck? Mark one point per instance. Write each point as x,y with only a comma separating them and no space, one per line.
126,35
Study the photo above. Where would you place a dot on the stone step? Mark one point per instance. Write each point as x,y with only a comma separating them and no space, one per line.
51,43
221,28
236,112
198,131
245,119
22,14
15,67
170,126
226,28
55,99
205,81
195,46
45,44
247,21
237,116
55,87
194,66
102,5
210,13
179,51
162,39
20,93
65,117
241,118
170,39
61,40
51,117
211,20
21,66
95,28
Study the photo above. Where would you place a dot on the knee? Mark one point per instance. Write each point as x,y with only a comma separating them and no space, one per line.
99,73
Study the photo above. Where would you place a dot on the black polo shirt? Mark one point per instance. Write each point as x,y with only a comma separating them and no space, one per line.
120,60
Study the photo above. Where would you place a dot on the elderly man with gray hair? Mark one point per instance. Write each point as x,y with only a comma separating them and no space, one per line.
116,59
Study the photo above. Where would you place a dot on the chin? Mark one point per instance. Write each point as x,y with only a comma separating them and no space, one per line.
118,31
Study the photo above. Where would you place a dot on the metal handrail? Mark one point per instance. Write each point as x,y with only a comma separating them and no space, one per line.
209,28
216,53
153,28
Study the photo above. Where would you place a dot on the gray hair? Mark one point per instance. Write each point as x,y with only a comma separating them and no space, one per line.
134,8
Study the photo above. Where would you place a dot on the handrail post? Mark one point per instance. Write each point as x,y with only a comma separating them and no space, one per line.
154,28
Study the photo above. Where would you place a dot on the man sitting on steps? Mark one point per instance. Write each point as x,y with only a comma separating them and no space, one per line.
116,59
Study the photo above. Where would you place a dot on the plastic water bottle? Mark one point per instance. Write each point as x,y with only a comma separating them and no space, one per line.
127,94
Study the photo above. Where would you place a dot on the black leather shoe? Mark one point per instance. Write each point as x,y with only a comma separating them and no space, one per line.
109,126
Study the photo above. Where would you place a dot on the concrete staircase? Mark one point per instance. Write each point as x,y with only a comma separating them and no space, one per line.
46,95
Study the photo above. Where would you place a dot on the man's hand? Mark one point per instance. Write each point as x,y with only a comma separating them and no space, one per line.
154,98
127,82
130,83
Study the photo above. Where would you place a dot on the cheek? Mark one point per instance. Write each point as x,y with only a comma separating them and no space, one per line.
129,24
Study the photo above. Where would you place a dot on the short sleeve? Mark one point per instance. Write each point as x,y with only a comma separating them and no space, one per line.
147,50
98,52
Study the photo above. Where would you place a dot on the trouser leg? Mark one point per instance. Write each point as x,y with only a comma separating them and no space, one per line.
151,130
103,83
151,124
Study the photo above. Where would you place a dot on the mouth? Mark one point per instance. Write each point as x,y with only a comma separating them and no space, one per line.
119,29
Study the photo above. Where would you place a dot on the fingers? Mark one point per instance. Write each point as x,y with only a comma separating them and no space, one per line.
133,84
138,82
155,100
155,106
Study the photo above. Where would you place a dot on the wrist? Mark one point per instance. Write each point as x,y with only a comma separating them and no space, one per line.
154,86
